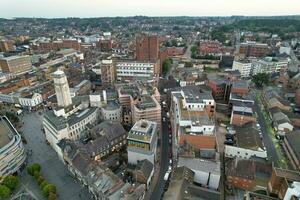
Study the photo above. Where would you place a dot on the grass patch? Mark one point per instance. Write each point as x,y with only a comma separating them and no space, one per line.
211,70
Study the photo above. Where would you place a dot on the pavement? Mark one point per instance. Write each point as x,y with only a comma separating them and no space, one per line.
164,161
53,169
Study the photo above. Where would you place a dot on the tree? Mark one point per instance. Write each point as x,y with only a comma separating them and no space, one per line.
12,117
43,184
11,182
52,196
35,167
49,188
4,192
194,51
260,79
36,175
40,180
166,66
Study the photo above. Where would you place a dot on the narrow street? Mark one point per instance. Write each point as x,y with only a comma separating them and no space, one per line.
267,139
164,161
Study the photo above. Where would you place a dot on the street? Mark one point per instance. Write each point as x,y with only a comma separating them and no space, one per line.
267,140
164,161
53,169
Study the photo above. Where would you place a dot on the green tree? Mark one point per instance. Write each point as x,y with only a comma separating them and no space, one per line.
11,182
40,180
52,196
43,184
4,192
174,42
260,79
35,167
12,117
49,188
36,175
166,66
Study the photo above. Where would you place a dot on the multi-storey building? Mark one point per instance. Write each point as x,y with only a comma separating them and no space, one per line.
6,45
193,111
282,183
244,67
62,89
58,126
26,100
107,72
15,64
112,110
12,151
142,142
104,45
70,119
253,49
147,48
142,100
135,70
220,87
291,144
269,65
47,45
209,47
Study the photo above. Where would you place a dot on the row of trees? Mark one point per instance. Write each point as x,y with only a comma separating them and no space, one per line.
8,185
49,190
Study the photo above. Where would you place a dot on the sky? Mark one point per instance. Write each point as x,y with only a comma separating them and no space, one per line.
111,8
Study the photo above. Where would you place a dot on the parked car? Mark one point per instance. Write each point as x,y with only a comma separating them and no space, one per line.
229,136
229,142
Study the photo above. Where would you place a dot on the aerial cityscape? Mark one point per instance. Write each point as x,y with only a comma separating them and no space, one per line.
102,102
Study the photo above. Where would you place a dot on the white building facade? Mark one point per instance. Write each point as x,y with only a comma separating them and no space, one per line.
12,151
62,89
135,70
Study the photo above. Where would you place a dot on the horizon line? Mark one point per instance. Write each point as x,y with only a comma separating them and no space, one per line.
154,16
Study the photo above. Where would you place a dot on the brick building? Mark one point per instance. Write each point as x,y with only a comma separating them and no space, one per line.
244,174
220,87
105,45
209,47
147,48
15,64
108,74
6,45
253,49
291,147
281,180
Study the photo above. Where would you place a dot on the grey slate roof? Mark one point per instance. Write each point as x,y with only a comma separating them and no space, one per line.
146,167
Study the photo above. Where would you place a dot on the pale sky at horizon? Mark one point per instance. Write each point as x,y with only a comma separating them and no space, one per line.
111,8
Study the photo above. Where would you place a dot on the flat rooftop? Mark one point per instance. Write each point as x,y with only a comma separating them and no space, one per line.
248,137
6,131
142,130
146,102
288,174
13,57
196,95
198,164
